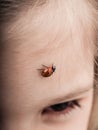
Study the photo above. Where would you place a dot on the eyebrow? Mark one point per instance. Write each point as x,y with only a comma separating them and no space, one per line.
70,96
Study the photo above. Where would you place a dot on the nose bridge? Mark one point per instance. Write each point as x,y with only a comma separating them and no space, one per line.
17,124
20,122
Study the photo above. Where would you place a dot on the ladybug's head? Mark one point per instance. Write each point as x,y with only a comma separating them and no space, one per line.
53,68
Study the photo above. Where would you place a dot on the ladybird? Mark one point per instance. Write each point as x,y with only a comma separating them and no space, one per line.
47,71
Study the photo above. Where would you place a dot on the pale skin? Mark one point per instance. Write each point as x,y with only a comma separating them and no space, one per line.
25,93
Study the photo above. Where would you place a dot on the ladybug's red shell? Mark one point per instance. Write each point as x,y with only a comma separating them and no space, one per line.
47,71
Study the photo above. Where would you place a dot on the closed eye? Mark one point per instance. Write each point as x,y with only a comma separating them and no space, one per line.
61,109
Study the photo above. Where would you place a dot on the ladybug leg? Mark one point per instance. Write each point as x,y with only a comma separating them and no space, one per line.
45,66
40,69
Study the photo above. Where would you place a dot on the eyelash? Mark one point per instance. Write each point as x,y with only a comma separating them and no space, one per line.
61,109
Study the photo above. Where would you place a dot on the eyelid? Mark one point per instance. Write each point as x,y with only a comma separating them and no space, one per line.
79,97
69,103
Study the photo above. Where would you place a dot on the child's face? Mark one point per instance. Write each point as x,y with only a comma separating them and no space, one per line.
26,94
